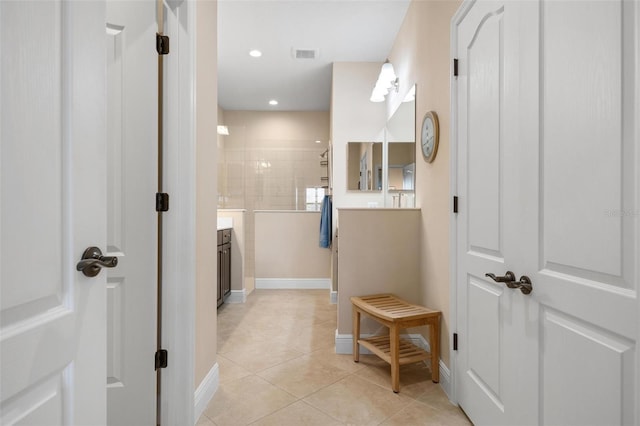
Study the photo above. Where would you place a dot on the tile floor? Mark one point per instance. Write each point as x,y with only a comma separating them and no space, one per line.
278,367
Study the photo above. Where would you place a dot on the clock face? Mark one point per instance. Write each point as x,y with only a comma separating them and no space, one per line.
429,136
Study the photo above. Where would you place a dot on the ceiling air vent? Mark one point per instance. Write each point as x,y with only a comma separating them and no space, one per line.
305,53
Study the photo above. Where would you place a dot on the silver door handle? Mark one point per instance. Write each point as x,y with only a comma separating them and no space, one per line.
93,261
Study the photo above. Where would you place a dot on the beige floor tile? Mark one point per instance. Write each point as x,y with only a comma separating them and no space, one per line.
329,356
457,418
356,401
288,337
242,401
302,376
418,414
415,379
268,357
311,338
237,341
437,399
204,421
298,414
252,341
229,370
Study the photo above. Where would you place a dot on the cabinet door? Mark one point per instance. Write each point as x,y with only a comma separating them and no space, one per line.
226,269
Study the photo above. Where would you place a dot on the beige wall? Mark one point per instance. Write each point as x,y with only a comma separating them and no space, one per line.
287,245
206,147
221,158
238,244
379,253
421,55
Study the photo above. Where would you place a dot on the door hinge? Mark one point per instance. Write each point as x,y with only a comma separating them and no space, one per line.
455,341
161,358
162,202
455,67
455,204
162,44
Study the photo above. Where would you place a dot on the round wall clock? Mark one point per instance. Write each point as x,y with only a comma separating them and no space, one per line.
429,136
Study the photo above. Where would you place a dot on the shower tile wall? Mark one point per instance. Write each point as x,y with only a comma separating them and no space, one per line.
273,175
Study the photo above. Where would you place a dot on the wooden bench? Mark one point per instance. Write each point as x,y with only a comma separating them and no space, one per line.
396,314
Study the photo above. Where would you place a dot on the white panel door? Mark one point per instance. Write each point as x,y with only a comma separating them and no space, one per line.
486,239
582,223
568,193
132,225
53,198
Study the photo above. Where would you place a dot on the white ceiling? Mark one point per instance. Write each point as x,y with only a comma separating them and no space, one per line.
342,30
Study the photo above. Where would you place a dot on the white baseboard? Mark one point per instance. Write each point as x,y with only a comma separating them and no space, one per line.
445,380
293,283
206,390
344,345
237,296
333,297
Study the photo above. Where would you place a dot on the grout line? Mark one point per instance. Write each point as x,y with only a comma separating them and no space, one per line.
279,409
322,411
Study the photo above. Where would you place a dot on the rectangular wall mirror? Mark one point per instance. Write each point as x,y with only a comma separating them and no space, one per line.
401,153
400,136
364,166
401,166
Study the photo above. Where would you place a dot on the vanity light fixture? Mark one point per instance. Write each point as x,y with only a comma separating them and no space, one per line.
255,53
318,142
387,80
273,102
223,130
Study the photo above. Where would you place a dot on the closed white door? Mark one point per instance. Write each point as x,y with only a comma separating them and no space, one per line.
132,225
488,310
548,159
53,197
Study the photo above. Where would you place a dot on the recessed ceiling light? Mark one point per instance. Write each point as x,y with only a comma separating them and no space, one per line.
273,102
255,53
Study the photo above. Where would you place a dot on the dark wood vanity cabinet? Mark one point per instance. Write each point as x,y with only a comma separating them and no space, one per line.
224,265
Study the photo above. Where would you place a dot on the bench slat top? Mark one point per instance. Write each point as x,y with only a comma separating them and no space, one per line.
391,308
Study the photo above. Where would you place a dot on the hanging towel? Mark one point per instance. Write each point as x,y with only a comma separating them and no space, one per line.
325,222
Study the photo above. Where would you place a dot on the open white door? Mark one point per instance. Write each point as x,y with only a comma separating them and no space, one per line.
53,189
132,225
547,104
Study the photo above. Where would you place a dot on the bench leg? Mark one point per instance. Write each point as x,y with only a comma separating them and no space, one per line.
394,340
356,334
434,342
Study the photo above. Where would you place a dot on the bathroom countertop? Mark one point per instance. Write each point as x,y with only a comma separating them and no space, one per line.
225,223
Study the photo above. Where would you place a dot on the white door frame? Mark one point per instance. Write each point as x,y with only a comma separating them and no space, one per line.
453,191
178,300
